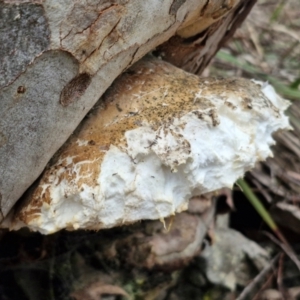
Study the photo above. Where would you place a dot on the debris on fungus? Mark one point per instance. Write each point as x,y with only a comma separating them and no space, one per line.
158,137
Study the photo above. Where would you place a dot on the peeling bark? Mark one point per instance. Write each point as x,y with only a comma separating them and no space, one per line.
192,50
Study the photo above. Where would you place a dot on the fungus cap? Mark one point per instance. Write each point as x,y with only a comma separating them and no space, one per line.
158,137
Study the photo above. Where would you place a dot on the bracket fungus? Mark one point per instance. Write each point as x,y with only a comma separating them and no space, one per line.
158,137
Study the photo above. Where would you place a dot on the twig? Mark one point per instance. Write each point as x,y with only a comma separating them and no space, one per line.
256,281
264,286
286,248
281,288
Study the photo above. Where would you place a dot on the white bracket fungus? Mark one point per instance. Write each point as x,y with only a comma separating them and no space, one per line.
158,137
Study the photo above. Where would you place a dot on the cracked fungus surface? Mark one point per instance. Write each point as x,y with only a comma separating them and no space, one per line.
156,138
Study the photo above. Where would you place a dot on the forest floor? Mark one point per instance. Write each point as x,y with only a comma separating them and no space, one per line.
267,47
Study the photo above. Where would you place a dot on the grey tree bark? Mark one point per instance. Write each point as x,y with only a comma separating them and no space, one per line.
59,57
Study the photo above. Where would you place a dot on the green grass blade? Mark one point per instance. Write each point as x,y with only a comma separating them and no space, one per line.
286,91
257,204
277,11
